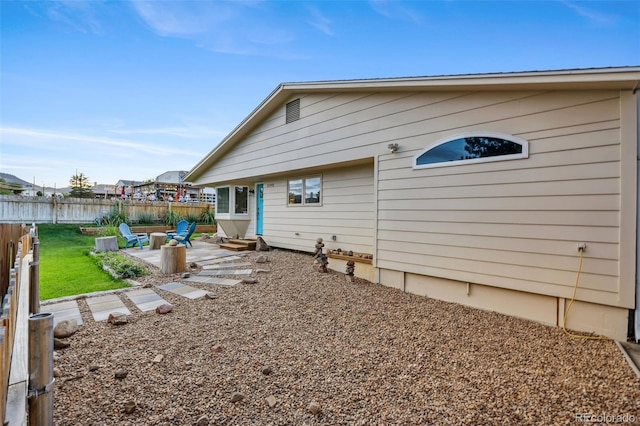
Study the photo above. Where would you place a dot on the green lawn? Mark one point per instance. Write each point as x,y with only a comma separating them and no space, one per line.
66,267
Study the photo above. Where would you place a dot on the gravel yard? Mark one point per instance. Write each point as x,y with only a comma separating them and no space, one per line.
299,342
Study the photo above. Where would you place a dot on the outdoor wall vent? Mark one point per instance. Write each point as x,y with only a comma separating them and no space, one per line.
293,111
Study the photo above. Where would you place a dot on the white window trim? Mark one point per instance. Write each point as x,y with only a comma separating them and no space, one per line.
231,215
510,138
304,188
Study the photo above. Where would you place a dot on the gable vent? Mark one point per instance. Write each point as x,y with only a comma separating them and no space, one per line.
293,111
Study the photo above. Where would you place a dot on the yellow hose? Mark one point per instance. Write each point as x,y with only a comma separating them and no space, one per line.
566,314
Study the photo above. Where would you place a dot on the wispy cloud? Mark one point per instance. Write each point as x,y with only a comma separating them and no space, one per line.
191,132
320,21
35,138
393,9
594,16
79,16
175,18
231,27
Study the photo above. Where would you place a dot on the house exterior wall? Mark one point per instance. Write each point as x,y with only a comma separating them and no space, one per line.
346,211
514,224
509,228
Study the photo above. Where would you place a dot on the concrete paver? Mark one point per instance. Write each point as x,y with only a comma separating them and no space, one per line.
213,280
63,311
102,306
183,290
225,265
211,272
145,299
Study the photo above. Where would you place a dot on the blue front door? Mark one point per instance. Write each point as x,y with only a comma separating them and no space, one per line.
259,204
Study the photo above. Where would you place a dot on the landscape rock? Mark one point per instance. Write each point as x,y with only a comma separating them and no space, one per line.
65,328
314,408
272,401
250,280
237,397
165,308
60,344
121,374
129,407
158,358
261,245
211,295
261,259
56,372
117,318
203,421
216,348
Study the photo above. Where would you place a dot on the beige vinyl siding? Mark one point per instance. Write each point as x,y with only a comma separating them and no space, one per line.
512,224
347,211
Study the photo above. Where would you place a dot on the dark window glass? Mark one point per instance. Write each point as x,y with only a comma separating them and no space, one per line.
468,149
222,203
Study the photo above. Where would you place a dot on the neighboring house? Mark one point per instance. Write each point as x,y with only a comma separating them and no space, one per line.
104,191
126,188
474,189
169,184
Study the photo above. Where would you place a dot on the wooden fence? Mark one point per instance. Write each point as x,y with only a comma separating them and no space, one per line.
16,243
21,209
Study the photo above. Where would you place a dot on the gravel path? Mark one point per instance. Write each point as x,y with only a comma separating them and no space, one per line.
353,353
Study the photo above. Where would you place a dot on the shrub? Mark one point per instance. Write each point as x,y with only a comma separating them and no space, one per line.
208,217
116,216
146,219
192,217
121,266
171,218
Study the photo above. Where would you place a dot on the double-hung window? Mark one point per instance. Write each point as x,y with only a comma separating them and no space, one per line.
304,191
232,200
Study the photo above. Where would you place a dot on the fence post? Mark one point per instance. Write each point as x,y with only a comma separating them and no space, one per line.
34,279
41,369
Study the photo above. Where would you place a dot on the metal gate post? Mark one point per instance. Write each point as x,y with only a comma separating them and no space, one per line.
40,393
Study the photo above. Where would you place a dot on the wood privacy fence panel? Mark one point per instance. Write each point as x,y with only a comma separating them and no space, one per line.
18,244
19,209
10,235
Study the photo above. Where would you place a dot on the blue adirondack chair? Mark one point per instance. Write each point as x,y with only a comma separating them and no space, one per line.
132,238
186,239
182,228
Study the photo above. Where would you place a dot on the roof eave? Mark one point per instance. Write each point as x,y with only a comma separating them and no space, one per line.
615,78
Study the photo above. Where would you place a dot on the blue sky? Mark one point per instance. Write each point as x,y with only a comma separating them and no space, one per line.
131,89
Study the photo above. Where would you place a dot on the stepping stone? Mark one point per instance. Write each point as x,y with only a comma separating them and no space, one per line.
183,290
226,265
210,272
102,306
145,299
215,260
63,311
213,280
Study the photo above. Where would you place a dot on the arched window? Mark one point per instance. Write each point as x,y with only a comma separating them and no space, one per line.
471,148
